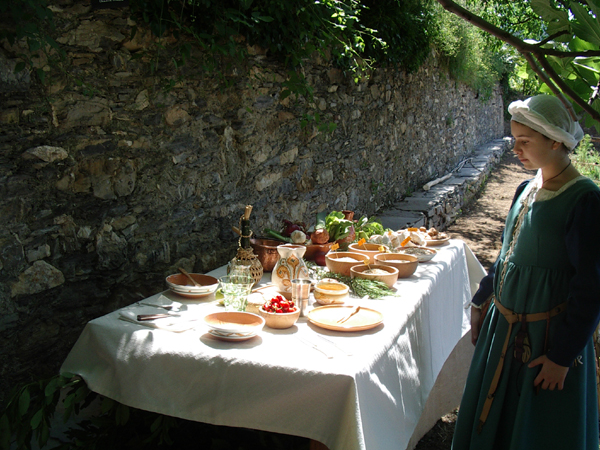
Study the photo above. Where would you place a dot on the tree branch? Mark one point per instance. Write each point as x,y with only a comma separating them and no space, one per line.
549,38
548,74
566,89
550,83
505,36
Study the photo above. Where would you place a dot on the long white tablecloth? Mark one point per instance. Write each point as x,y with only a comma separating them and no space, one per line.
371,399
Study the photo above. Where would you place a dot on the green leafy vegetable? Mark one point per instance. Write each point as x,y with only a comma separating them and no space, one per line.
367,227
337,225
276,235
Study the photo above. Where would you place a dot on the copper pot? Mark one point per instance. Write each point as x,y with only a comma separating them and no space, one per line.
266,250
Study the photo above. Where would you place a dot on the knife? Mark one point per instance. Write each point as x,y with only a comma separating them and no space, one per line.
350,314
143,317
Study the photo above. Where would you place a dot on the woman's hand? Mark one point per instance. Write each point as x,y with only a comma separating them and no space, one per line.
551,374
475,320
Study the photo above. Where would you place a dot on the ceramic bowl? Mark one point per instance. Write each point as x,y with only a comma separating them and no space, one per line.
406,264
330,291
343,267
390,278
279,320
313,252
181,285
367,248
266,250
423,254
331,286
234,325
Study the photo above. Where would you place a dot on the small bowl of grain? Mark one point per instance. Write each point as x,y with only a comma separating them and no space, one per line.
376,272
341,262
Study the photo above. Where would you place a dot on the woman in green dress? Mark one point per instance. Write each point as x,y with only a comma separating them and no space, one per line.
532,381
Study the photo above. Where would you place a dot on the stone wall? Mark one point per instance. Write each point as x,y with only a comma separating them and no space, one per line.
113,176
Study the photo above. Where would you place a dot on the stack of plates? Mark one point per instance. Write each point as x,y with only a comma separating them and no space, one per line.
181,285
233,325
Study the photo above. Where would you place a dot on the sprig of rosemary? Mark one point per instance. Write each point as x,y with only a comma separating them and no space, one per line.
362,287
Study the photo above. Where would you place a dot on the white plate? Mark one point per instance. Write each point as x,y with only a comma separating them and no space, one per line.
232,336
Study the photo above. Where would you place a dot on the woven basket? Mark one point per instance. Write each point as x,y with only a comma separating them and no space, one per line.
247,255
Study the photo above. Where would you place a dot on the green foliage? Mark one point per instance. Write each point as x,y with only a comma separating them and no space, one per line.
468,54
559,41
30,21
587,160
30,409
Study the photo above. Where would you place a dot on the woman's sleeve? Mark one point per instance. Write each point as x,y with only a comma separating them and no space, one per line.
486,285
583,310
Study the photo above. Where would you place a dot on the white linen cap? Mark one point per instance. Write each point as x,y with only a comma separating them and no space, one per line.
547,115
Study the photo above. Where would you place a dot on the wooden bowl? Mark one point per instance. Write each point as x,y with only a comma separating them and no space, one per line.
367,248
279,320
406,264
343,267
266,250
423,254
390,278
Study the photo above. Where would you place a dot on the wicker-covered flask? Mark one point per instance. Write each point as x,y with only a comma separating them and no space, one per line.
245,254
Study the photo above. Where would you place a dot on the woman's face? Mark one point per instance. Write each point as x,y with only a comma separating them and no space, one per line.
533,149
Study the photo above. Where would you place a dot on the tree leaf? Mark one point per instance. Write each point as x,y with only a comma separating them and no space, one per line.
37,419
586,27
548,12
51,387
24,401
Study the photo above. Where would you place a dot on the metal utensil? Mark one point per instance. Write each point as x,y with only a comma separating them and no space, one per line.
145,317
183,271
174,307
350,314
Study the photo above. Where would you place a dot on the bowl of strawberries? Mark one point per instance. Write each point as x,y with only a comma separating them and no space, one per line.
279,312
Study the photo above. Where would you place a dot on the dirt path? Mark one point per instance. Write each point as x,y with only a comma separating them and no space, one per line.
480,225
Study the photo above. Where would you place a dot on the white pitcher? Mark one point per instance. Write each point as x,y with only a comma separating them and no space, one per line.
289,267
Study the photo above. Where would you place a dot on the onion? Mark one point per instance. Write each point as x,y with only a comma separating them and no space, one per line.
298,237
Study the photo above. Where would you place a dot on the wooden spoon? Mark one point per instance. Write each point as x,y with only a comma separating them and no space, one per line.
183,271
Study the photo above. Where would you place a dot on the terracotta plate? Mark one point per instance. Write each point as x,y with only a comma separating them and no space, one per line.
327,317
234,322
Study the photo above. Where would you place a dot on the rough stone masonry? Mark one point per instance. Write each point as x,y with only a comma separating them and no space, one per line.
113,176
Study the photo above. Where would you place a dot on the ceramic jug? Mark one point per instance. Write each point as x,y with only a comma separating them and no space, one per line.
290,266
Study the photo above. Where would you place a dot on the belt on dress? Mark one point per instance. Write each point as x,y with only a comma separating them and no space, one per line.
513,317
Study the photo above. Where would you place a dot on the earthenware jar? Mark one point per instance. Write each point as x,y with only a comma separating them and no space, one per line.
290,266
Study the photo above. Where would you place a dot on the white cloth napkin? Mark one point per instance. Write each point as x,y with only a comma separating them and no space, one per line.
176,323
